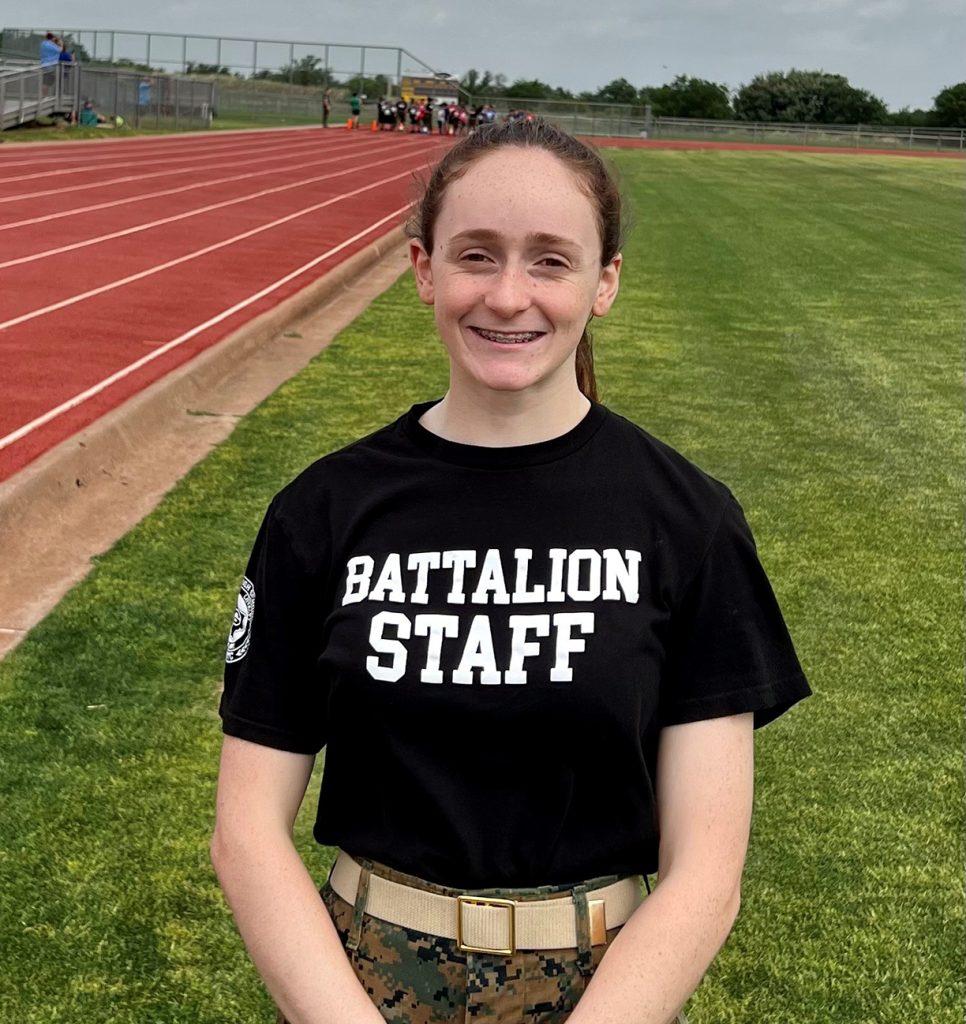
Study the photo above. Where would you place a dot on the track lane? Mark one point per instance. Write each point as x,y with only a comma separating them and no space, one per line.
126,190
77,233
98,337
79,162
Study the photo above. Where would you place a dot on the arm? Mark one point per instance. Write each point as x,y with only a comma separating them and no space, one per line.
282,919
704,795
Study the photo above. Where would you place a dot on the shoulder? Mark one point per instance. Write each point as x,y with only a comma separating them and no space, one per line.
668,478
331,487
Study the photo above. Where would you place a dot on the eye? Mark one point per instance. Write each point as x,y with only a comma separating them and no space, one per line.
474,257
553,262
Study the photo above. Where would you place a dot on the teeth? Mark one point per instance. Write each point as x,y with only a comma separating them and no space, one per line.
507,338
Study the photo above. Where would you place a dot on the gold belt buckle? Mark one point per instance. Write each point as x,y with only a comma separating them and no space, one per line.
485,901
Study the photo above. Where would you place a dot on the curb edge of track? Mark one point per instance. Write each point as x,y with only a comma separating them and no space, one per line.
47,490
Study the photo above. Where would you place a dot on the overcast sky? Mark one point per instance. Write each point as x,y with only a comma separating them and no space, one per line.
901,50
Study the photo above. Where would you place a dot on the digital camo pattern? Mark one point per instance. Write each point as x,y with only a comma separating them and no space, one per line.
413,978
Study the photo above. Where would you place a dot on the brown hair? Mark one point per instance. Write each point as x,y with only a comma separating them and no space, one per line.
593,175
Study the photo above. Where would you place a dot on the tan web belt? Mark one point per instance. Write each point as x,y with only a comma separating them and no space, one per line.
481,924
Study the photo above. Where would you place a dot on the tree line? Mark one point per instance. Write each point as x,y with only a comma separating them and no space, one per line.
811,97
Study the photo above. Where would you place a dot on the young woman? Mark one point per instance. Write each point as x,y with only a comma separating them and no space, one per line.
534,642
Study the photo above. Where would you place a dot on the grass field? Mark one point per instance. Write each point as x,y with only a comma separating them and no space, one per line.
794,324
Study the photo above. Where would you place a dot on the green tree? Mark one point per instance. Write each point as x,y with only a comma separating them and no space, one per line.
949,107
372,88
689,97
618,91
306,70
77,49
807,96
529,89
911,118
206,69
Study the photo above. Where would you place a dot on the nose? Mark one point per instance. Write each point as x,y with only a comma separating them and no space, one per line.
508,292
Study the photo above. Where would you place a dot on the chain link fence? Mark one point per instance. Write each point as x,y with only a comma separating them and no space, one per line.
147,101
627,121
247,58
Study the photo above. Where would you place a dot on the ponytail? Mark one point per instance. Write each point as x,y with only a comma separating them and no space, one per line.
584,365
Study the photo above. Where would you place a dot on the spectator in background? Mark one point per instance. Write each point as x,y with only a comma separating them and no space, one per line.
66,58
49,50
326,107
355,108
49,56
144,94
89,117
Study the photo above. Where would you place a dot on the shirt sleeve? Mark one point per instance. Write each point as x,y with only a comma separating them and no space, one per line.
730,651
274,692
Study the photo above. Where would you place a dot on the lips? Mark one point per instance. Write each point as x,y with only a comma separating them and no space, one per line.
508,337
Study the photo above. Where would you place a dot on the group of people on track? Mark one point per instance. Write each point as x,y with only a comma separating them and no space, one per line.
424,115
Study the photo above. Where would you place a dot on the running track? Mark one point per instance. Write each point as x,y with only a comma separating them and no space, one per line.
121,260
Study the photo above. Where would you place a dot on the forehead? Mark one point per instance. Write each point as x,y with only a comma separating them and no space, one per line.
515,184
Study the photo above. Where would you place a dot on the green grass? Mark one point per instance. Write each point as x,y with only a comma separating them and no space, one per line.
794,323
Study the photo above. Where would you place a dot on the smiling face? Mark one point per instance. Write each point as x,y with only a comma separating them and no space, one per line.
515,272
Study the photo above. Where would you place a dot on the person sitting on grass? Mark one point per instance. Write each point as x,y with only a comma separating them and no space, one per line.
89,117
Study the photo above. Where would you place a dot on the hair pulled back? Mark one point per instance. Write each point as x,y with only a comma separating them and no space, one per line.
590,171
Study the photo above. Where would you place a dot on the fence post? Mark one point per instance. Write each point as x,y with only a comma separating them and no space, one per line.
177,102
184,54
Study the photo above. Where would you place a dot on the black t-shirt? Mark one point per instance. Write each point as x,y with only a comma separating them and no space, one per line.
487,642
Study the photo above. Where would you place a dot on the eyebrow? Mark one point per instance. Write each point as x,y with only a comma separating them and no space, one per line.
533,238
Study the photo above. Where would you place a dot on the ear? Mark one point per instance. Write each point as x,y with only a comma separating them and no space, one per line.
422,270
607,286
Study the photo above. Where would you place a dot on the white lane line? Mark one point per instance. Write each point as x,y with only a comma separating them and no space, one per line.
181,188
74,147
63,190
126,371
53,307
216,144
129,163
197,211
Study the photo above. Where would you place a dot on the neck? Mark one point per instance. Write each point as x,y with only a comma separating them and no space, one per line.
504,419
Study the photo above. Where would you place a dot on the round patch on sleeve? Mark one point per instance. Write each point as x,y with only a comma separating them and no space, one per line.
241,625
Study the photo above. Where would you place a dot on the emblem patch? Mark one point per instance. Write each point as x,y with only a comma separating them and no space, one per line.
241,624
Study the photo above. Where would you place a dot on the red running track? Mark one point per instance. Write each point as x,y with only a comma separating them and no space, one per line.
121,261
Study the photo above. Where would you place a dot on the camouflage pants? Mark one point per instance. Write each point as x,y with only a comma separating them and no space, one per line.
414,978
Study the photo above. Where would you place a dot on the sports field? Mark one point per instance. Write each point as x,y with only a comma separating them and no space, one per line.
794,323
